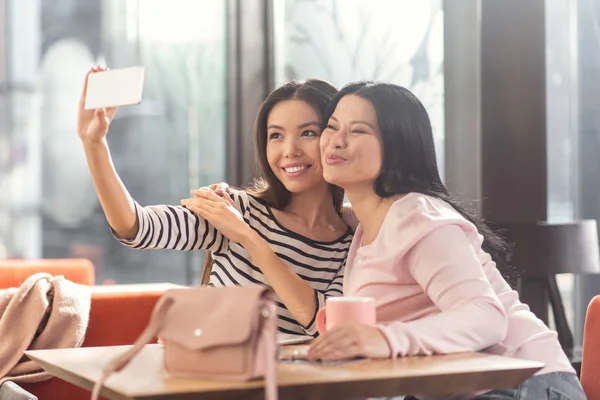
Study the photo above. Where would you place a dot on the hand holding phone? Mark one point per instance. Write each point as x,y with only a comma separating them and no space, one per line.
329,363
114,88
103,91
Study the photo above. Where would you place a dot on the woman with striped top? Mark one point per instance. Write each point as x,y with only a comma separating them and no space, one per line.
285,232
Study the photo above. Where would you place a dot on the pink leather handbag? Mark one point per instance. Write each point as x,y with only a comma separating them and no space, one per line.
212,333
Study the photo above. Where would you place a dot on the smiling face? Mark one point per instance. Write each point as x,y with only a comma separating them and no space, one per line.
293,145
351,149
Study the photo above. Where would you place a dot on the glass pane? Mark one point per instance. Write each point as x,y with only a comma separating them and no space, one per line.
587,160
561,109
399,41
562,126
172,142
588,69
573,73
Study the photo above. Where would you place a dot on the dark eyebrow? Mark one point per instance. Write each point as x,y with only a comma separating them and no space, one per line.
304,125
364,123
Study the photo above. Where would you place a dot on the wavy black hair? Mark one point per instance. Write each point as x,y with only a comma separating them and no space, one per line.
317,94
409,162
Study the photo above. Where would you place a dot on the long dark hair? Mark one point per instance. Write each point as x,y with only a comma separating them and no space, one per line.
267,187
409,162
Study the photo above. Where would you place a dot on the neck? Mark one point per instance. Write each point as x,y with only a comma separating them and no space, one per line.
370,210
314,206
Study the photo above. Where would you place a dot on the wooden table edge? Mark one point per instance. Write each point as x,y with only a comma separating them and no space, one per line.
84,383
255,391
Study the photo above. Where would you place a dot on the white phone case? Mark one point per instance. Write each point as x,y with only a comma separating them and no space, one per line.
114,88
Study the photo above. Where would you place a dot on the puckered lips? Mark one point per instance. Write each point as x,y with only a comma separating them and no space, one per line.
334,159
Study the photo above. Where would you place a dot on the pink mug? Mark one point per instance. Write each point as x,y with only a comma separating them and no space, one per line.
340,310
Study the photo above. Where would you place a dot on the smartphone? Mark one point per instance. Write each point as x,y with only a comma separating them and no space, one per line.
285,339
302,359
114,88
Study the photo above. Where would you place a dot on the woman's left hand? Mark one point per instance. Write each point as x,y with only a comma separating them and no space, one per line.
220,212
349,341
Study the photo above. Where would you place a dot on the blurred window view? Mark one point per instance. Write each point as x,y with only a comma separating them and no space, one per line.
573,131
399,41
180,136
172,142
176,139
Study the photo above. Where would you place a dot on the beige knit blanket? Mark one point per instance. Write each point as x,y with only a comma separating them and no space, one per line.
46,312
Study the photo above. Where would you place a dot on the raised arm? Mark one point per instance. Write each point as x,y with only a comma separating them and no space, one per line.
118,206
173,228
153,227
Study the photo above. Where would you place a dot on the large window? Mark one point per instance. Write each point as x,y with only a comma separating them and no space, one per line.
399,41
172,142
562,125
573,131
176,138
587,146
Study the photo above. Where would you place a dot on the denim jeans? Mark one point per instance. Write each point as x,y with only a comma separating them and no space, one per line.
552,386
11,391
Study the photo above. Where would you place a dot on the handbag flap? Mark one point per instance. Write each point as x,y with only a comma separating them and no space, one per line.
205,317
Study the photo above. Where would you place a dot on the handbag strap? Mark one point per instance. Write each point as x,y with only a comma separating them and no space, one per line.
271,390
208,263
157,320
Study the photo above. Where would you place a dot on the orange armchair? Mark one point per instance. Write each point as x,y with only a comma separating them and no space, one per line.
13,272
118,315
590,360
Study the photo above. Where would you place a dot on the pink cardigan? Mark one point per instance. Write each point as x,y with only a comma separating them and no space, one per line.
46,312
437,291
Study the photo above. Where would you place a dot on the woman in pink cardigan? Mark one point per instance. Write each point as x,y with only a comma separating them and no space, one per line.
437,273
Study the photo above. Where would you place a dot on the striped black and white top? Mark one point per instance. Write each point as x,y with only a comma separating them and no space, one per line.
320,264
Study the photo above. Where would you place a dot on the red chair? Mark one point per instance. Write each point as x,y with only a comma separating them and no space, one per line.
117,317
13,272
590,360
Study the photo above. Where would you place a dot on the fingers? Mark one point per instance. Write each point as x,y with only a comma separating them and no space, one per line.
223,194
97,68
106,115
339,343
110,112
198,208
339,351
219,195
207,194
329,350
228,198
101,118
85,83
198,203
223,187
324,341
